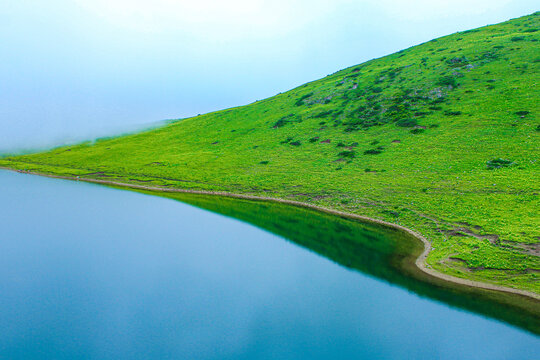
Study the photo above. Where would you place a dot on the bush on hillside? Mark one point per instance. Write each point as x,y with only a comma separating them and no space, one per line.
287,119
287,140
407,122
300,101
498,163
447,81
348,154
280,123
452,113
322,114
374,151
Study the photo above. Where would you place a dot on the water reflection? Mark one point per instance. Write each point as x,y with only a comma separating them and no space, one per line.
378,251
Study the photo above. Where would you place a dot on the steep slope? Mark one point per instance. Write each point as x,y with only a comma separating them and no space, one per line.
441,138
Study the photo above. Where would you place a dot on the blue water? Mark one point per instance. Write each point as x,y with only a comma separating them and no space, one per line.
89,272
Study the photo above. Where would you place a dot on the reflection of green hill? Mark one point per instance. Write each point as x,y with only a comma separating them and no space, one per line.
377,251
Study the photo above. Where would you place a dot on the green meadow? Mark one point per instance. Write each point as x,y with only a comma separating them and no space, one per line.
442,138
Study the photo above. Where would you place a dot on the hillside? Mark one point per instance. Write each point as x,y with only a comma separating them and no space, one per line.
441,138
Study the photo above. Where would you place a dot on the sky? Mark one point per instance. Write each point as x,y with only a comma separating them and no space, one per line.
72,70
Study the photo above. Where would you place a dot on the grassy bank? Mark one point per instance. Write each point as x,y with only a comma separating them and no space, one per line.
441,138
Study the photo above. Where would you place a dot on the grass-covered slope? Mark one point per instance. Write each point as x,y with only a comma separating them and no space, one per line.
442,138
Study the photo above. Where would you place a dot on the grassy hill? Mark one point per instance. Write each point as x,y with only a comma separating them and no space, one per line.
442,138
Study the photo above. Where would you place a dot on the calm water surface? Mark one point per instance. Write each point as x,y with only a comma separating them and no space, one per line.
88,272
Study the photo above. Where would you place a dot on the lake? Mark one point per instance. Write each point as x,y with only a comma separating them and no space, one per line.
91,272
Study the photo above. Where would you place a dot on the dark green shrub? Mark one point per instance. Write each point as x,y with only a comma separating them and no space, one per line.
280,123
287,140
522,113
300,101
447,81
517,38
439,100
373,151
322,114
348,154
264,162
391,213
407,122
287,119
314,139
417,131
498,163
339,112
452,113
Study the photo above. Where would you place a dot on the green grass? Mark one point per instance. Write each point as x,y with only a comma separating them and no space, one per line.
441,138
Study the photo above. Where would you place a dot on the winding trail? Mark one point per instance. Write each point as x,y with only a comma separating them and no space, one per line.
420,261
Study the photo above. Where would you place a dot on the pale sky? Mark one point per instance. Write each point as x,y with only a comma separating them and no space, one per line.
75,69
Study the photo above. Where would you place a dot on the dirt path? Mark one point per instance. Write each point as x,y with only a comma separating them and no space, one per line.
420,261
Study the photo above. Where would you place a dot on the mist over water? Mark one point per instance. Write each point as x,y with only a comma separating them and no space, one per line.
73,70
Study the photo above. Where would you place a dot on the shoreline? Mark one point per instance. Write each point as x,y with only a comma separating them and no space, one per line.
420,262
